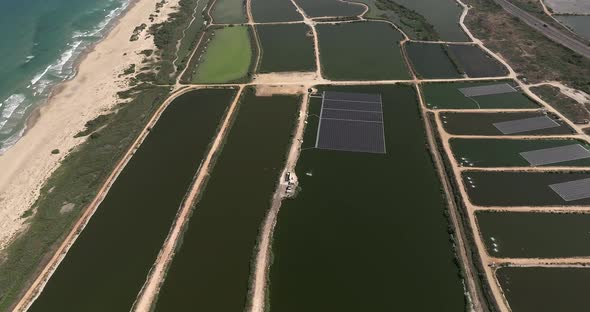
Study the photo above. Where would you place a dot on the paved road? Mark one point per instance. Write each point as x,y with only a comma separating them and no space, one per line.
549,31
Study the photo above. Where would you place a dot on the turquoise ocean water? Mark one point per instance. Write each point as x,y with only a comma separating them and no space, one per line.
41,41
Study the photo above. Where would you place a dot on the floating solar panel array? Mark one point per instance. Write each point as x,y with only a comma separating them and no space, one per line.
555,155
487,90
572,190
526,124
351,122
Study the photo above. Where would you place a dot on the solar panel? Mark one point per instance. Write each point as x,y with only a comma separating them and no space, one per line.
526,124
572,190
352,115
352,136
554,155
487,90
348,96
352,105
351,122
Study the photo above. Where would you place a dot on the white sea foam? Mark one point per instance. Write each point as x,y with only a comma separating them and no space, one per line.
40,75
9,106
13,110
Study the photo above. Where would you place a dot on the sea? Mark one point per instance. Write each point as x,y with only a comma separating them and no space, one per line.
42,40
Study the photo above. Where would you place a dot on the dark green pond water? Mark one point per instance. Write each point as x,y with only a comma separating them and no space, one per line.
538,289
109,263
317,8
520,188
535,235
286,48
442,14
361,51
506,153
212,268
431,60
474,62
483,123
447,95
264,11
367,231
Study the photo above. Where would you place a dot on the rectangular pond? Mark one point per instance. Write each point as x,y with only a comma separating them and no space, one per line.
211,270
366,232
108,264
539,289
361,51
449,96
519,153
519,188
268,11
286,48
535,235
474,62
431,60
467,123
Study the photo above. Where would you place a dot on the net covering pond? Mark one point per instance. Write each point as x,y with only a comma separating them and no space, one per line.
526,124
351,122
487,90
572,190
555,155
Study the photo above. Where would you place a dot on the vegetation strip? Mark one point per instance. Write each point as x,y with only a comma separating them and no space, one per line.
109,250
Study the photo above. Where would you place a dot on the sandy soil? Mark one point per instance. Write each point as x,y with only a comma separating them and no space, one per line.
286,77
576,95
26,166
270,90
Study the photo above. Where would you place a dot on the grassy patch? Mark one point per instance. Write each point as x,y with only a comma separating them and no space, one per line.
571,109
529,53
169,33
411,22
227,57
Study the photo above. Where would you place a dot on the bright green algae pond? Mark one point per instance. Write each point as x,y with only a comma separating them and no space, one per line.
535,235
539,289
227,58
361,51
286,48
506,152
448,96
367,231
211,270
108,264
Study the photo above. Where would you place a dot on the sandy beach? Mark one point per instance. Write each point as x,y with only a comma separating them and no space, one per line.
93,91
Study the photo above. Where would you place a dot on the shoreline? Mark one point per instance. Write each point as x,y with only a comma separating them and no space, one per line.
90,67
55,88
52,123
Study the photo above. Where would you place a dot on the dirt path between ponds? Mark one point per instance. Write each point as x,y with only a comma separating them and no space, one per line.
149,292
259,286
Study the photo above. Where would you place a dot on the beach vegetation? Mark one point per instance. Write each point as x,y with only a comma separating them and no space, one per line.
76,180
